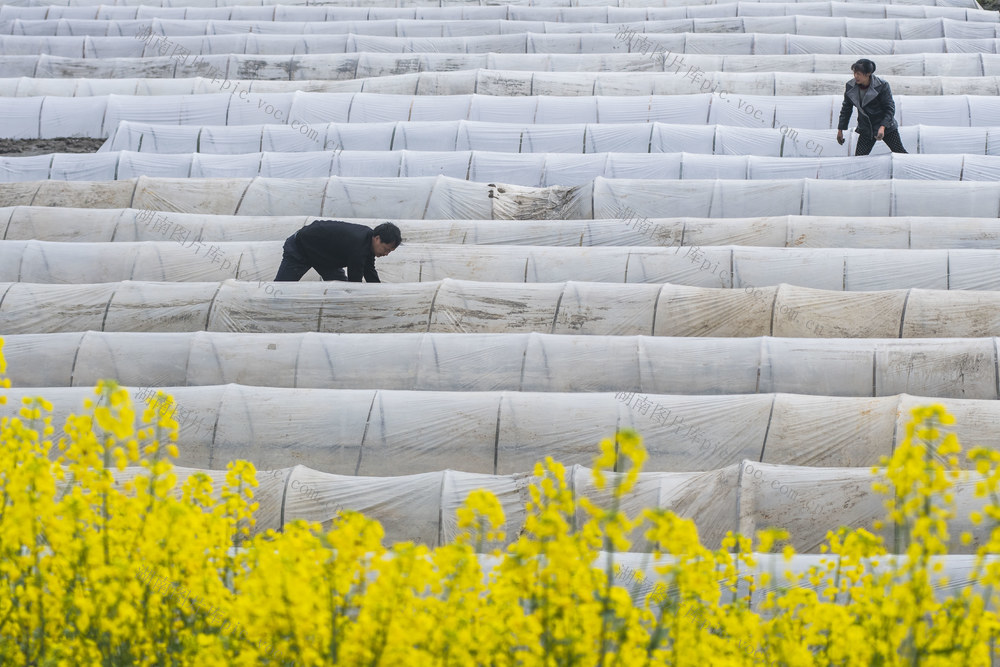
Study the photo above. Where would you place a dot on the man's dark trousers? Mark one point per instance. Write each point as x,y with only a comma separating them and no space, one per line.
294,265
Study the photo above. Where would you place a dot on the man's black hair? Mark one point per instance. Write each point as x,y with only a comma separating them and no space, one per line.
388,233
864,66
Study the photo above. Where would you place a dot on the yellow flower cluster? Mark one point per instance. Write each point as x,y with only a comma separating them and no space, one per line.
75,527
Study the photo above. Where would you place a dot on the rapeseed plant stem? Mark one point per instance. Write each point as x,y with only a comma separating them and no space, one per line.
73,529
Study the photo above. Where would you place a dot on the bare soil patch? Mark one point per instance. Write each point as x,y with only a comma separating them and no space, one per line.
25,147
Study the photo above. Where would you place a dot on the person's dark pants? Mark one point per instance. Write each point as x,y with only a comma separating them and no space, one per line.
891,139
294,265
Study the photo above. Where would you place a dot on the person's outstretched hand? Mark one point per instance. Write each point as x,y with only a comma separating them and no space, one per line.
840,137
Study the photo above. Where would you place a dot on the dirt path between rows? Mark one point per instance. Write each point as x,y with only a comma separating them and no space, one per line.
25,147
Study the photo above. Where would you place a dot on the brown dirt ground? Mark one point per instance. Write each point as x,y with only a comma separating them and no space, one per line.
25,147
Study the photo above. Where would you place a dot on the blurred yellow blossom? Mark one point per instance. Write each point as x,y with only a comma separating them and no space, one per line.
105,558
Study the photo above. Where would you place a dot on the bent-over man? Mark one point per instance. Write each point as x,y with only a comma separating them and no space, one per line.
330,246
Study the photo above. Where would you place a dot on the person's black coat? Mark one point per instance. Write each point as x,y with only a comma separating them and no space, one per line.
875,107
330,245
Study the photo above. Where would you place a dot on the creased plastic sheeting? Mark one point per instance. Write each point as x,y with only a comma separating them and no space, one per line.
979,424
503,433
589,307
697,311
435,197
33,168
956,368
526,170
239,166
263,107
447,306
582,84
948,575
21,117
283,428
707,498
682,435
88,225
195,410
258,305
55,67
795,197
313,66
532,42
269,494
408,507
134,165
157,103
80,307
746,268
444,436
446,198
968,314
896,369
75,167
480,308
934,109
866,429
809,502
512,202
72,117
524,12
568,431
55,370
155,307
24,65
106,307
298,196
528,137
356,10
210,140
416,197
413,507
95,225
849,269
164,261
273,56
586,84
799,312
345,136
364,108
426,85
885,28
510,490
172,109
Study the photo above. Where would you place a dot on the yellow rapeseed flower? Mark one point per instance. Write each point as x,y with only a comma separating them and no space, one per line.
106,559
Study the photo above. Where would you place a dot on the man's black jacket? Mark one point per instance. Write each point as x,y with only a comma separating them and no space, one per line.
875,107
330,245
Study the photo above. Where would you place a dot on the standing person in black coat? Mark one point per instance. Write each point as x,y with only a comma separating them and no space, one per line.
331,245
876,110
